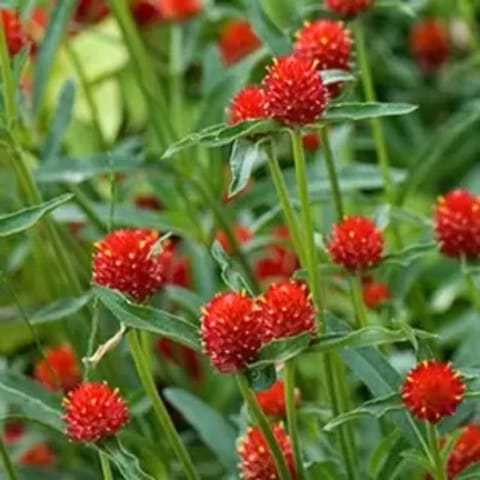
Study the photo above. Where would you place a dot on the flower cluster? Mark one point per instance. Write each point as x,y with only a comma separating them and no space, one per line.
272,400
430,45
14,31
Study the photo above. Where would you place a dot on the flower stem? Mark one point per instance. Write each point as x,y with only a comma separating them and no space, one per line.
438,472
264,425
105,464
289,378
470,281
332,173
159,407
7,461
357,297
175,76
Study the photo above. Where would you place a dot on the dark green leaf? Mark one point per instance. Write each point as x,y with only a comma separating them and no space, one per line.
470,473
185,298
230,276
243,158
148,318
261,378
22,220
59,309
326,470
399,5
416,458
343,112
406,256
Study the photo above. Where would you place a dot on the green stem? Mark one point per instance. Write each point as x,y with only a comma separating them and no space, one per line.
262,422
86,207
332,173
175,76
106,469
289,378
438,471
9,90
357,297
159,407
470,281
7,462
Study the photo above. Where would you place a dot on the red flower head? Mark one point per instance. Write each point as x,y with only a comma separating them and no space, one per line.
60,369
126,260
146,12
176,267
433,390
91,11
311,141
182,356
256,460
232,332
148,202
375,294
272,400
180,10
294,91
457,224
40,455
356,244
93,412
14,32
288,310
242,234
466,451
430,45
13,431
248,104
237,40
348,8
329,44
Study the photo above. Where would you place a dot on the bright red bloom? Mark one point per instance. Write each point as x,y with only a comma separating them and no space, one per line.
430,44
272,400
180,10
13,431
60,369
91,11
146,12
177,267
311,141
248,104
288,310
433,390
329,44
466,451
348,8
93,412
294,91
356,244
40,455
457,224
237,40
184,357
14,32
242,234
126,260
232,332
256,460
375,294
148,202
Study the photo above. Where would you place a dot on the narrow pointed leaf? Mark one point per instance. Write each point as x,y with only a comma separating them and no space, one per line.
344,112
243,158
59,310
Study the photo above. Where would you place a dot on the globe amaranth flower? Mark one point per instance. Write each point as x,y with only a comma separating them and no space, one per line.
256,460
128,261
329,44
180,10
466,451
237,40
94,412
376,294
356,244
146,12
59,369
294,91
311,141
272,400
348,8
248,104
15,34
242,234
40,455
433,390
430,45
232,331
457,224
91,11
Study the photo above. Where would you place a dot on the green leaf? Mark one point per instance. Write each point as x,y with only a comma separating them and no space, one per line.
185,298
261,378
335,76
230,276
282,350
470,473
417,458
243,158
59,309
326,470
405,257
343,112
216,432
57,27
22,220
399,5
149,319
376,408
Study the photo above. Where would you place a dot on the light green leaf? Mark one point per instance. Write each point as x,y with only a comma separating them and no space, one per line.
405,257
243,158
335,76
344,112
230,275
59,309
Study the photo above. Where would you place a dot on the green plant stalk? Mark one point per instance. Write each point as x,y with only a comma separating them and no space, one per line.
176,77
332,173
7,461
357,298
439,472
105,464
289,378
264,425
159,407
8,83
470,282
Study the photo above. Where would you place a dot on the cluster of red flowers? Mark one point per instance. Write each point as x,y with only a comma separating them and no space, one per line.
272,400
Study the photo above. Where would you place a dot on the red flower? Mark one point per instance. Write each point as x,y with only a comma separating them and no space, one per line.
146,12
272,400
40,455
311,141
91,11
248,104
237,40
242,234
14,32
13,431
256,460
433,390
294,91
375,294
430,45
182,356
348,8
60,369
126,261
329,44
177,267
356,244
457,224
180,10
466,451
93,412
148,202
232,331
288,310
